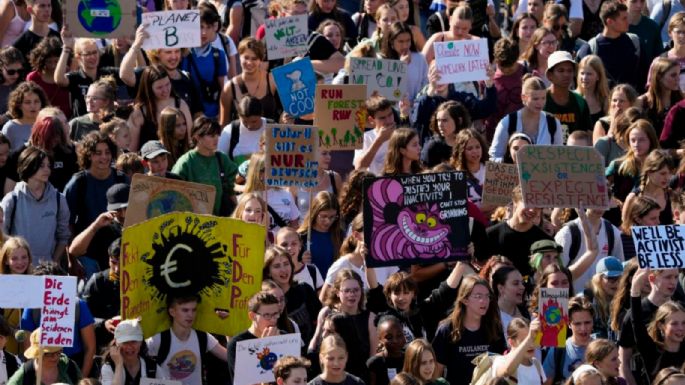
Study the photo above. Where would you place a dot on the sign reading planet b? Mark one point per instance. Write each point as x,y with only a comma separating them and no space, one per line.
101,18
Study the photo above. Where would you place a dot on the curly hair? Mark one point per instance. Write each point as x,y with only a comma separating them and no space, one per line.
16,98
47,48
88,145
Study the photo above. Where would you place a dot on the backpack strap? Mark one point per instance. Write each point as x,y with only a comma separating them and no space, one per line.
513,117
312,273
593,45
278,220
609,229
636,42
442,22
164,346
538,367
551,127
73,372
13,212
11,364
331,176
235,137
575,242
202,340
150,367
29,369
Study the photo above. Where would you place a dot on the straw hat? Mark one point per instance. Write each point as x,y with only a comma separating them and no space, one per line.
35,349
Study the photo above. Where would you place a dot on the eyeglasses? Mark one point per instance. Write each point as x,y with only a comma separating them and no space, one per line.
269,316
355,290
481,297
557,27
548,43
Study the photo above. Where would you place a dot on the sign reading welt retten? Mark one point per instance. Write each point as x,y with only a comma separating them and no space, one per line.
286,36
562,176
296,83
340,116
388,77
413,219
461,60
500,180
172,29
219,259
291,156
659,247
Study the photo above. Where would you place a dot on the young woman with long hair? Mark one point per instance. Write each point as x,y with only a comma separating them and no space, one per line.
507,285
614,144
663,91
404,153
397,43
251,208
469,155
323,221
23,104
593,85
352,256
620,99
655,176
642,211
461,22
173,132
620,303
351,197
446,122
602,287
542,44
403,9
603,355
420,362
15,258
523,29
334,358
303,269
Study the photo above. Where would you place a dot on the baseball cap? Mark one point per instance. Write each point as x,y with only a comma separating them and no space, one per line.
128,331
152,149
117,196
611,267
545,245
558,57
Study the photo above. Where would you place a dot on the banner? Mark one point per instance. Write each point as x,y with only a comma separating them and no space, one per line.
562,176
415,219
172,29
387,77
219,259
659,247
500,180
291,156
553,310
296,84
101,18
152,196
340,115
256,357
158,381
461,60
286,36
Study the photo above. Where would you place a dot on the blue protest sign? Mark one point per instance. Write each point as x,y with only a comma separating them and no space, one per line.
296,83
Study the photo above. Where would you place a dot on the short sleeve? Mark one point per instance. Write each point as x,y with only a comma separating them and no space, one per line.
440,342
153,344
85,316
212,342
549,366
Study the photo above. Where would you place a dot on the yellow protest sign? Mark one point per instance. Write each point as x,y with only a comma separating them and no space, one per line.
219,259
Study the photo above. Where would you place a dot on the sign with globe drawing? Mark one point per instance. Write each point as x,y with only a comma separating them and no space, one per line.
101,18
153,196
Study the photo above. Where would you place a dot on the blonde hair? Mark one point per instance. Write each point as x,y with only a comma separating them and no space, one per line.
11,244
662,313
330,343
413,354
602,87
255,181
244,199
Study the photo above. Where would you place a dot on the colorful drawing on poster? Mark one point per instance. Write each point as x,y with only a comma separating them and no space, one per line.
219,259
152,196
172,29
340,115
415,219
296,83
659,247
385,76
461,60
562,176
257,357
101,18
291,156
553,310
286,36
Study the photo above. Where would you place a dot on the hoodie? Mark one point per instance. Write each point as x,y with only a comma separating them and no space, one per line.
37,220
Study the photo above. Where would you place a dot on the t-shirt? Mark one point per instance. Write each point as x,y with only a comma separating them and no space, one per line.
349,380
212,68
248,142
57,96
17,133
85,208
107,374
385,368
231,348
322,250
619,57
573,358
78,88
457,357
627,337
28,40
376,165
529,375
513,244
80,126
345,263
184,361
304,276
574,116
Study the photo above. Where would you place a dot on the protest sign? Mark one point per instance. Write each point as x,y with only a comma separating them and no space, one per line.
57,313
340,115
158,381
387,77
553,311
101,18
659,247
500,180
152,196
296,83
256,357
18,291
286,36
415,219
172,29
461,60
291,156
562,176
219,259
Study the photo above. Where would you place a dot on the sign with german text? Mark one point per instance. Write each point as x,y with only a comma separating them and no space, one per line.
286,36
562,176
291,156
461,60
659,247
58,311
500,180
385,76
340,116
256,357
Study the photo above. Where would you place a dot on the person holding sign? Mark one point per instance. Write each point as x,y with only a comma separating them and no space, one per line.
397,43
449,118
124,362
461,21
520,363
48,361
382,117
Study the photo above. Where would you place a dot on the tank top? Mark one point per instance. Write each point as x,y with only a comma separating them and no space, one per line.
270,105
14,29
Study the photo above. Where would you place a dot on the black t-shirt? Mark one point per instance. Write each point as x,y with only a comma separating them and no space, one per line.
78,88
619,58
303,307
514,245
349,380
383,368
318,47
246,335
457,357
627,336
28,40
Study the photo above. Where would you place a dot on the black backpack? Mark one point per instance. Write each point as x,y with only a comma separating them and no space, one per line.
575,239
551,125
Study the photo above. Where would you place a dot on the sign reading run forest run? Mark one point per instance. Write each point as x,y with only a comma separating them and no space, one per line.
340,115
562,176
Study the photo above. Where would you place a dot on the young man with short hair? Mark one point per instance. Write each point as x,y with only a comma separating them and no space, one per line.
180,345
291,370
156,160
382,117
651,45
41,12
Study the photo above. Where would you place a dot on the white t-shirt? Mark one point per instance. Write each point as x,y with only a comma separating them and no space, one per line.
107,373
248,141
3,367
283,203
184,361
529,375
376,165
231,48
344,263
303,276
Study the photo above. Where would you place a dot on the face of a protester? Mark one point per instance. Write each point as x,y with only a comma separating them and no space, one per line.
673,327
298,376
89,55
184,314
512,290
30,105
102,157
588,77
547,45
515,146
253,212
526,215
249,61
208,33
581,325
427,366
608,366
671,79
402,8
333,34
534,99
162,88
446,124
562,75
639,142
281,270
11,72
19,261
350,293
460,28
280,296
666,282
660,178
130,348
291,242
526,29
169,58
558,280
402,299
208,142
412,151
619,101
478,302
386,20
266,316
333,361
402,44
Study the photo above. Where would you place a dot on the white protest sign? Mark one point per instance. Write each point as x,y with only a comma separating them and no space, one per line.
172,29
157,381
659,247
461,60
256,358
18,291
385,76
57,313
286,36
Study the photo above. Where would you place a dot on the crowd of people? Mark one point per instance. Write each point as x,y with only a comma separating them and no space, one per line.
81,116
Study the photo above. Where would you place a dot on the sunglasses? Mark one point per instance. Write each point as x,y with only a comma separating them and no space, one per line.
12,72
557,27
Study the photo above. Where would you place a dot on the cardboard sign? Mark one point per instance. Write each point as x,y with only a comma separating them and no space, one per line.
153,196
219,259
553,311
58,310
415,219
286,36
296,83
101,18
500,180
157,381
660,247
256,358
461,60
387,77
291,156
340,115
172,29
562,176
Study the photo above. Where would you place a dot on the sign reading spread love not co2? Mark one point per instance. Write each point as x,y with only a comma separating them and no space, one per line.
387,77
461,60
286,36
